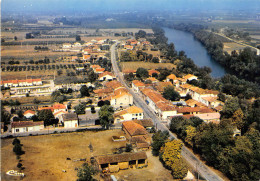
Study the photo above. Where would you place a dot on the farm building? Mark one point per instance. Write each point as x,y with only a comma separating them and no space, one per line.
26,126
70,120
116,162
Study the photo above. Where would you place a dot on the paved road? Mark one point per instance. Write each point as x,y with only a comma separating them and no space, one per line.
203,170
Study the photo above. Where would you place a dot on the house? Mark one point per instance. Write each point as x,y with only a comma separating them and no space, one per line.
213,117
211,101
26,126
146,123
66,45
29,113
77,44
103,93
194,103
59,107
114,84
165,110
173,79
57,115
121,100
70,120
99,70
128,71
46,108
106,76
74,58
190,77
116,162
193,110
133,129
86,57
136,84
152,79
130,113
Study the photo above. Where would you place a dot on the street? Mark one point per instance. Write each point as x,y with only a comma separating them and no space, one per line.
202,169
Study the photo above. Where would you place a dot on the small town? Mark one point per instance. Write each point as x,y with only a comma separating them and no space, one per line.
83,103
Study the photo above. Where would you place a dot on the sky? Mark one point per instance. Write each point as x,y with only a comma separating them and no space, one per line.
125,5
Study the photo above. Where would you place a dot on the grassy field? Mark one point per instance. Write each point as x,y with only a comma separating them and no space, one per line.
46,156
43,74
27,100
146,65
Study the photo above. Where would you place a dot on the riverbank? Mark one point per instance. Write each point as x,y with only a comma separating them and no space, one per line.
194,49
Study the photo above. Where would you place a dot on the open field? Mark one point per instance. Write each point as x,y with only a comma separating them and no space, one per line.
146,65
26,100
229,47
236,21
46,156
43,74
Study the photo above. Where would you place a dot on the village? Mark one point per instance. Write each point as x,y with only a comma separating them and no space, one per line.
81,110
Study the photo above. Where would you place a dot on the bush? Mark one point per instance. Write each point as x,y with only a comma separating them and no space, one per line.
16,141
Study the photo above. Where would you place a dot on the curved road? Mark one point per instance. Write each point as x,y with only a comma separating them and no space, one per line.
202,169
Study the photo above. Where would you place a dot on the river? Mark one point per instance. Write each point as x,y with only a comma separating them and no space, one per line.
194,50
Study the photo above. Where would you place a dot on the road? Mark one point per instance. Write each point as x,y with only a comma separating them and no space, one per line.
202,169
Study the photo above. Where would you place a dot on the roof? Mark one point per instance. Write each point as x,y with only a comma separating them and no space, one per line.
152,79
101,91
125,157
45,108
134,129
164,106
161,85
210,99
21,124
95,66
144,122
151,72
99,69
142,145
113,84
59,112
172,76
138,83
20,81
106,73
189,76
29,112
131,110
128,71
219,108
69,117
209,116
59,106
115,96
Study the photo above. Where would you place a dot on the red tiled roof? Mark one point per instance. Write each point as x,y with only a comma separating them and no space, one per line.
134,129
113,84
138,83
128,71
153,71
106,73
59,106
45,108
29,112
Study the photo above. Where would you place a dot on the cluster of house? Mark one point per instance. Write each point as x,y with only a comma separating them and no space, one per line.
66,120
91,50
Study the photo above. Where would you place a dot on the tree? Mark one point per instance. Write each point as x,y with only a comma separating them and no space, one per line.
231,105
16,141
191,133
106,116
142,73
15,38
57,96
170,94
93,111
92,76
80,109
86,172
238,119
78,38
18,149
129,148
84,91
46,115
171,156
100,103
159,139
36,101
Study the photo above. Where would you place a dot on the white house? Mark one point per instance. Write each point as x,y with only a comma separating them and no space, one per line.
106,76
29,113
70,120
121,100
136,84
190,77
166,110
130,113
66,45
58,114
59,107
26,126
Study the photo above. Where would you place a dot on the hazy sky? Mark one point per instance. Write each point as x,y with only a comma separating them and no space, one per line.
110,5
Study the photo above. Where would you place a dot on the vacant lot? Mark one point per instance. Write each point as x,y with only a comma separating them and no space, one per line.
147,65
46,156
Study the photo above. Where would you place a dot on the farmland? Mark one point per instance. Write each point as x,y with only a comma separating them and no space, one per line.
146,65
46,156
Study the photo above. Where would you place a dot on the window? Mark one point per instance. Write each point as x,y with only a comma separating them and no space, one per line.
140,114
17,130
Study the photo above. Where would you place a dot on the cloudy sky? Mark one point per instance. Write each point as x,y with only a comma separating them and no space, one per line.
111,5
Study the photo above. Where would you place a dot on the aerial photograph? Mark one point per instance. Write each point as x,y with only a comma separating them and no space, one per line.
130,90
